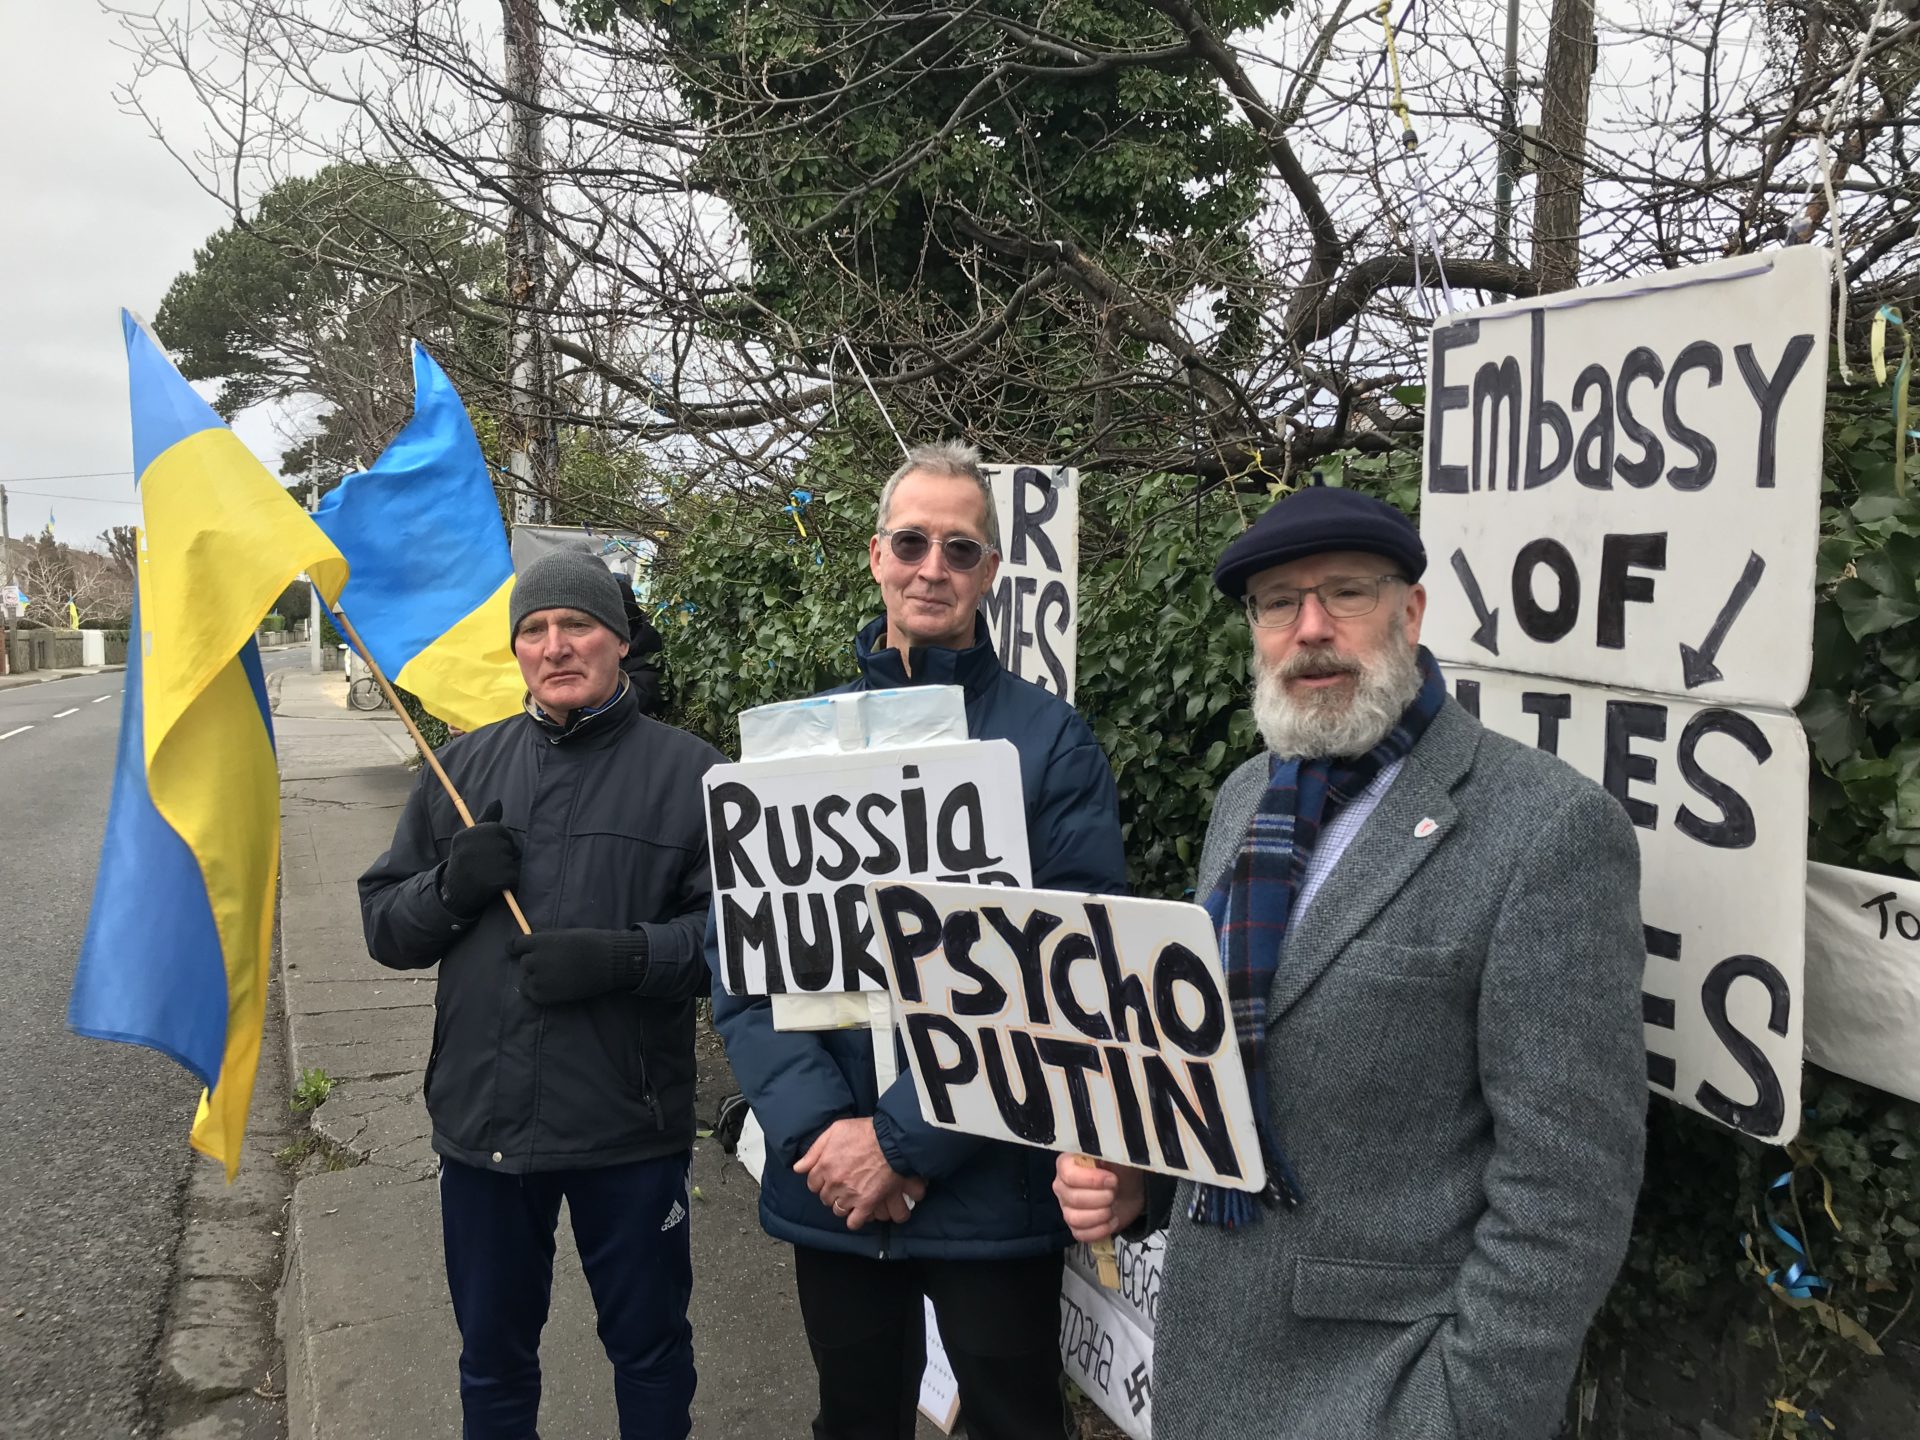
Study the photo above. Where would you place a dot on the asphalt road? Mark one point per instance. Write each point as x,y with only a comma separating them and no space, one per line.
93,1136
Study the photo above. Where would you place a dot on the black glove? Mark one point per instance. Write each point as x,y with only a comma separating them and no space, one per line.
561,965
483,860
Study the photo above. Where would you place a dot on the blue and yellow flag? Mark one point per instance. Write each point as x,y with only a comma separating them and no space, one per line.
431,567
179,940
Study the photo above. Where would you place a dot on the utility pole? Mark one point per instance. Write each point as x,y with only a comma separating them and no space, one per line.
1508,152
6,573
532,454
316,661
1572,53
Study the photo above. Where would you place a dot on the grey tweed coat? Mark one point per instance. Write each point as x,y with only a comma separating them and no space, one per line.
1456,1069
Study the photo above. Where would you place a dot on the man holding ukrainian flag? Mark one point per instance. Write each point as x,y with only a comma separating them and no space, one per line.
562,1060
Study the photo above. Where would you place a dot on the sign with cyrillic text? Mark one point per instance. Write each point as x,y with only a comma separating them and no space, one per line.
1076,1022
795,841
1622,483
1033,609
1105,1354
1719,798
1863,977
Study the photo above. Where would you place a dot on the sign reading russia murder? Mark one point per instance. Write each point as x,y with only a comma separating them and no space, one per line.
795,841
1078,1022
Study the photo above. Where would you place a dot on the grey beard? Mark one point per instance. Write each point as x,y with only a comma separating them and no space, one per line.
1324,725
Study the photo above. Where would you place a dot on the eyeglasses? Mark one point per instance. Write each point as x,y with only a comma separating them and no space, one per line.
910,547
1347,598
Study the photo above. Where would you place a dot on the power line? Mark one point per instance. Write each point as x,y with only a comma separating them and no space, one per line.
77,499
84,475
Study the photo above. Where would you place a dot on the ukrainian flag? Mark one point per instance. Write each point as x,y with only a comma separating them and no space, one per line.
431,567
179,940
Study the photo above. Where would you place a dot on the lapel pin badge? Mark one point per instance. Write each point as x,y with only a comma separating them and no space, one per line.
1425,828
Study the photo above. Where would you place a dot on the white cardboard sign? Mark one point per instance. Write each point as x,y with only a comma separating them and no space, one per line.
1033,610
1863,977
1719,799
1622,483
795,841
1092,1023
1103,1352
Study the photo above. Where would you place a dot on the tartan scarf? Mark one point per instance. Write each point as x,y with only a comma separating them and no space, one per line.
1254,901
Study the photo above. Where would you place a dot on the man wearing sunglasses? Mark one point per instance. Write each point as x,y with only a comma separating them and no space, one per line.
882,1208
1431,936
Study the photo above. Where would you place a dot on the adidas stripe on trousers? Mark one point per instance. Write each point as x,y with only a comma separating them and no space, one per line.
632,1228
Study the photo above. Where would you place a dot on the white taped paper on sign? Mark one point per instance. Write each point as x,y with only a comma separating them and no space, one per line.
1718,798
1863,977
860,720
1070,1022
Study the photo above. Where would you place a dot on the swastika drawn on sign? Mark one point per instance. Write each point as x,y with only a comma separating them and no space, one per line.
1139,1387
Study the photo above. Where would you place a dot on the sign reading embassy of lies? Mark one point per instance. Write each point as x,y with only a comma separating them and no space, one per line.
1623,483
1622,488
795,840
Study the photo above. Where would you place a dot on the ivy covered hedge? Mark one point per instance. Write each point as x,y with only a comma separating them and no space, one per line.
752,612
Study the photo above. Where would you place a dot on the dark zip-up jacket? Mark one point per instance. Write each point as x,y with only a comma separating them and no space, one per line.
985,1199
612,828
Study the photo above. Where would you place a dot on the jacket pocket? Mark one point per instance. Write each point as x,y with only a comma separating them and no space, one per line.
1330,1289
1379,957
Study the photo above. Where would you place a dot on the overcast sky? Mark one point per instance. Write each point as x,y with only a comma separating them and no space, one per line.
99,216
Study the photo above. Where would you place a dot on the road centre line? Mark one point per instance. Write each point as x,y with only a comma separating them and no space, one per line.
17,730
64,713
98,698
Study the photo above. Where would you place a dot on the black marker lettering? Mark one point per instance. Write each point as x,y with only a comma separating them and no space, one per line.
1620,556
1640,364
1540,623
729,855
1442,397
1627,721
1735,829
1700,355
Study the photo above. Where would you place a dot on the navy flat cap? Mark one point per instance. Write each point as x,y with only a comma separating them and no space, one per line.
1312,521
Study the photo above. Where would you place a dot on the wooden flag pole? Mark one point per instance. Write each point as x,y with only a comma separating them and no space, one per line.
426,750
1104,1261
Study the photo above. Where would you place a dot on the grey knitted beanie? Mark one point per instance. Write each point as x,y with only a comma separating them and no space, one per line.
571,580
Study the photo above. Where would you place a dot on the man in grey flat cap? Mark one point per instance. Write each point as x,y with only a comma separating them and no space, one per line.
562,1062
1431,937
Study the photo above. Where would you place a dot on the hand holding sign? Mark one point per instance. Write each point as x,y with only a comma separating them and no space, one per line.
1063,1021
1098,1200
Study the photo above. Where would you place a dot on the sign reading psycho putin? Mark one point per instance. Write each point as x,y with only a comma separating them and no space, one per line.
1077,1022
794,841
1620,509
1033,609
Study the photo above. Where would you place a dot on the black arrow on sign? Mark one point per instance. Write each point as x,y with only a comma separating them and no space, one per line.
1487,636
1697,665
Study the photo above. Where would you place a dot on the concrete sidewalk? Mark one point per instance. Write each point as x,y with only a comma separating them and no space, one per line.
364,1316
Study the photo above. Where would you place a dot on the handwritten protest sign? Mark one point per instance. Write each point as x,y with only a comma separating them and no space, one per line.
1719,800
1033,609
1863,977
1071,1022
1621,501
794,841
1622,483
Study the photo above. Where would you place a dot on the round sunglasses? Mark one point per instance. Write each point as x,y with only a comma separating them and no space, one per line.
910,547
